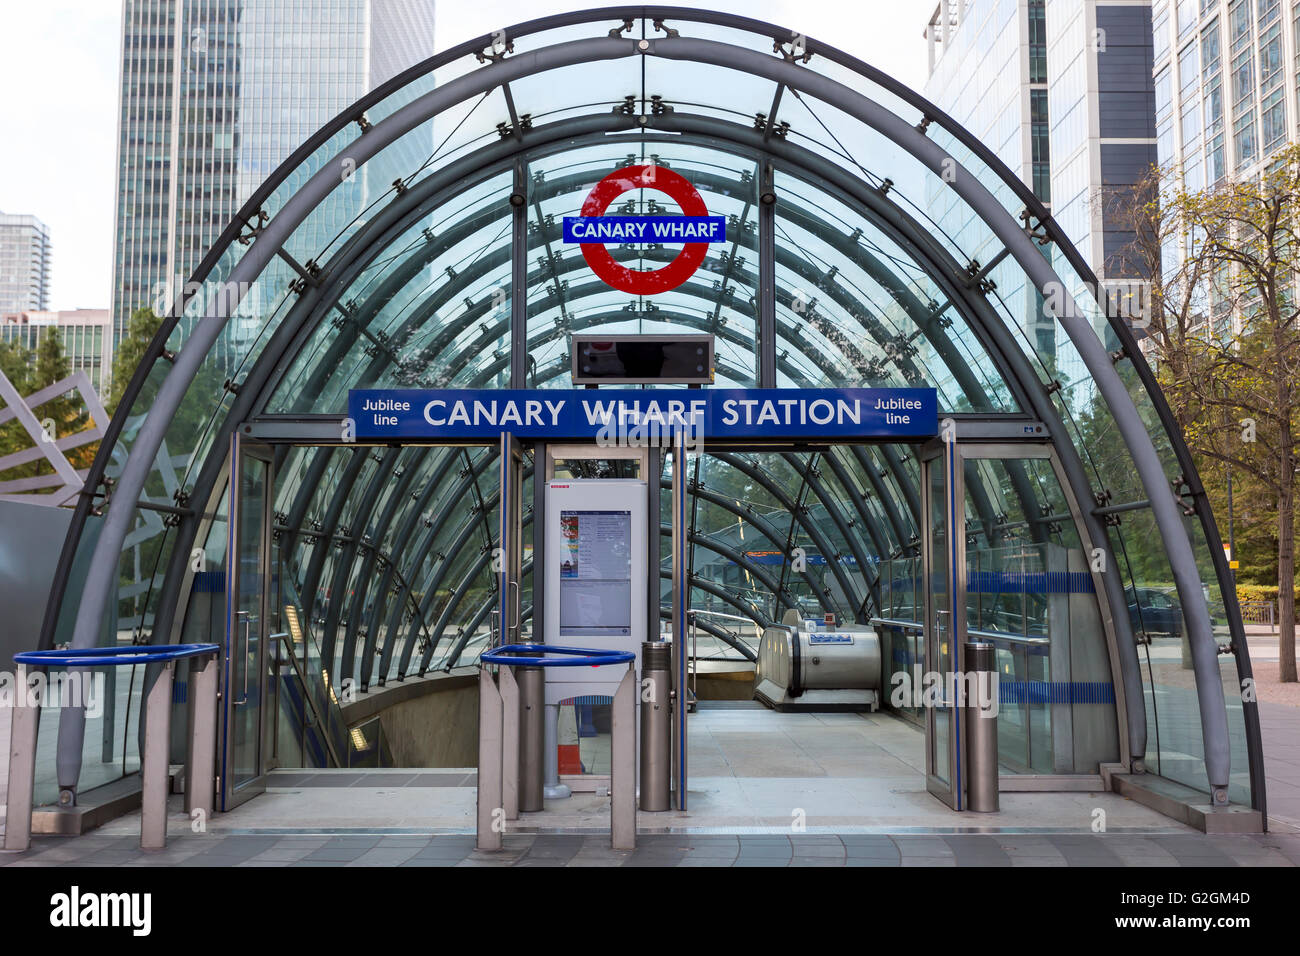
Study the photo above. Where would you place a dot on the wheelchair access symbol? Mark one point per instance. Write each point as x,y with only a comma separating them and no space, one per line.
694,228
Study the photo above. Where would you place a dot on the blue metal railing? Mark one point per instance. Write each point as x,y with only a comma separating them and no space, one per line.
523,655
113,656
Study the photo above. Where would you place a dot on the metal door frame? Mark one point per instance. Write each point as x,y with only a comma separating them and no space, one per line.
943,453
240,452
509,612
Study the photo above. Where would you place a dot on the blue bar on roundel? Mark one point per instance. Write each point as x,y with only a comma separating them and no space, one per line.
625,229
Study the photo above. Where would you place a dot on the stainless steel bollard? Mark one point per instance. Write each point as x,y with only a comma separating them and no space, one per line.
656,731
981,687
532,736
489,813
22,759
155,756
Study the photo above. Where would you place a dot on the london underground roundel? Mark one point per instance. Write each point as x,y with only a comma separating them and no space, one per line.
694,228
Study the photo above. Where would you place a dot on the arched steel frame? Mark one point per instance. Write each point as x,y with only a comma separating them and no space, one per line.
787,73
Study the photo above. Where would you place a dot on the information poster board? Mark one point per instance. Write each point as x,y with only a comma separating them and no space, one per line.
595,574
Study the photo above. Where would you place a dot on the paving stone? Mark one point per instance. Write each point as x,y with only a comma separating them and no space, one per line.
977,851
864,861
337,854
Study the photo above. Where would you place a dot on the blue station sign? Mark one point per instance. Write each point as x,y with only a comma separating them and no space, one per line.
579,229
627,416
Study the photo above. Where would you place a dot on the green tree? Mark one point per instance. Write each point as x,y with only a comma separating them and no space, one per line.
131,351
15,363
67,411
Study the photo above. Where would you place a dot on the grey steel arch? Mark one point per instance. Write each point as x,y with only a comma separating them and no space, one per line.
785,73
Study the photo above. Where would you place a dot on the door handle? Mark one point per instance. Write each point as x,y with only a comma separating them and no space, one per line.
248,622
518,611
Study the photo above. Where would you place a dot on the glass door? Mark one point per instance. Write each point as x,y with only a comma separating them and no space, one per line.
248,584
942,557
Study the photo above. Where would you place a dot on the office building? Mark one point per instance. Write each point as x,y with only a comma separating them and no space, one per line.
1225,75
214,96
87,339
1059,92
24,263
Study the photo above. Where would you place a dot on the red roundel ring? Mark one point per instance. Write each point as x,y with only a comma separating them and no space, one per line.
635,281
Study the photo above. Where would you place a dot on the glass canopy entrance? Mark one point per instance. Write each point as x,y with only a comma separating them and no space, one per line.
418,241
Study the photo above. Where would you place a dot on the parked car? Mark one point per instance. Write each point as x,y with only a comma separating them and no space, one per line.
1153,612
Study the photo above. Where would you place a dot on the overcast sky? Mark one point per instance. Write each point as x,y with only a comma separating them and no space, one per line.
58,108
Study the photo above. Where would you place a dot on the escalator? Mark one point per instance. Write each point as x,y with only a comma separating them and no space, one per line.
310,730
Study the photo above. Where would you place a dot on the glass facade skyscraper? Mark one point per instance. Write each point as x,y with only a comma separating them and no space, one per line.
214,95
24,263
1226,82
1060,92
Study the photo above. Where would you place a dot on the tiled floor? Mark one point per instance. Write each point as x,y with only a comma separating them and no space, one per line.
1280,729
751,769
1001,849
766,789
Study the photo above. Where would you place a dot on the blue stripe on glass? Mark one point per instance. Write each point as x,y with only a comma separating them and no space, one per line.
1029,582
1055,692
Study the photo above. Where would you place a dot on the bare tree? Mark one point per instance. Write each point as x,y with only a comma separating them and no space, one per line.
1224,331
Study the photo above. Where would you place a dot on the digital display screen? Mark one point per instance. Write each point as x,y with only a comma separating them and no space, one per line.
595,573
683,359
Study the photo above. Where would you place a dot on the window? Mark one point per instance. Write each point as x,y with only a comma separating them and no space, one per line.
1165,141
1242,74
1270,58
1039,137
1037,42
1296,40
1191,125
1210,46
1043,182
1273,120
1164,97
1189,67
1214,104
1160,35
1239,23
1243,132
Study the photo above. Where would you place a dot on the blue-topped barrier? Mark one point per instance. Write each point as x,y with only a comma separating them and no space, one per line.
516,753
155,753
512,655
113,656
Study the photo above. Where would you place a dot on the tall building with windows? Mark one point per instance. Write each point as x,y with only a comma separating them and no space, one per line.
87,339
24,263
1226,81
1061,92
215,94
